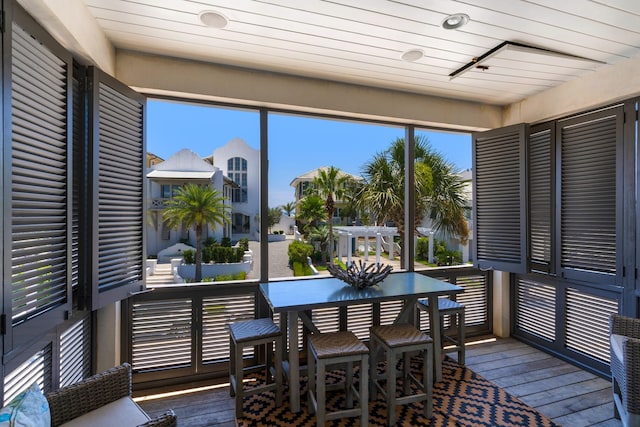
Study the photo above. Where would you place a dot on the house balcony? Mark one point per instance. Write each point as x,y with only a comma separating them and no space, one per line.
158,204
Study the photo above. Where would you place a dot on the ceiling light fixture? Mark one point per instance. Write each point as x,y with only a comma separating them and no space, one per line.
412,55
213,19
455,21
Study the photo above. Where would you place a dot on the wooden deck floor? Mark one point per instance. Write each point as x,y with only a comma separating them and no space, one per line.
568,395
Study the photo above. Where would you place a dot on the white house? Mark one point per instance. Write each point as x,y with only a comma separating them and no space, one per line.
164,179
302,182
241,163
233,170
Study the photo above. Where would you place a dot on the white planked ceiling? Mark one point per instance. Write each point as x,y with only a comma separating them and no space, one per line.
362,41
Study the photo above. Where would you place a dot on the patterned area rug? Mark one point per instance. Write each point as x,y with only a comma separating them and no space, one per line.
463,398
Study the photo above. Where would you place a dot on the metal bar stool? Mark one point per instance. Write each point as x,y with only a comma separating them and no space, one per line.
455,311
252,333
400,341
331,349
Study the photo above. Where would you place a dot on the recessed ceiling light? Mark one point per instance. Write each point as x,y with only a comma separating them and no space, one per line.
455,21
412,55
213,19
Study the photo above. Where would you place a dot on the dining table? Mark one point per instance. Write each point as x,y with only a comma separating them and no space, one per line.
295,299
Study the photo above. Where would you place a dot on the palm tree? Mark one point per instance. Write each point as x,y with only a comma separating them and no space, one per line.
330,185
288,208
321,235
197,206
310,210
439,191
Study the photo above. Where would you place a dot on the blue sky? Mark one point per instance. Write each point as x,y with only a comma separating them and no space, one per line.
297,144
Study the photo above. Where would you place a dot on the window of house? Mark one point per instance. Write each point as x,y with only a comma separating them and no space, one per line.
241,223
165,191
237,171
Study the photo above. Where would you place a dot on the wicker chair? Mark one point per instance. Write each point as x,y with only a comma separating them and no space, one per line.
625,368
95,392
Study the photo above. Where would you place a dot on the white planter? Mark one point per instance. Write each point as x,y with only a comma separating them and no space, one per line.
212,270
151,266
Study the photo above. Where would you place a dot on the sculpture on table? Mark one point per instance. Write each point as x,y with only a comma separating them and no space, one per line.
360,275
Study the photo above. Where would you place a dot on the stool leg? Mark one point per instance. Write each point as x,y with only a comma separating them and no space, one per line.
278,369
461,337
427,380
406,369
268,361
321,393
239,384
373,369
391,387
364,390
348,384
311,369
232,366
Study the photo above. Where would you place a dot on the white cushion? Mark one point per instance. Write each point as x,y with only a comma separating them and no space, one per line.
616,346
123,412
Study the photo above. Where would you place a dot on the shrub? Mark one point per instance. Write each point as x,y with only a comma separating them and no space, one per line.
301,269
446,256
226,242
189,256
316,256
422,248
223,254
210,241
226,277
244,244
299,251
207,254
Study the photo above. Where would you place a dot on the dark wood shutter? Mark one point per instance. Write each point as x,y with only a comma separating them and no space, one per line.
117,191
75,352
36,369
499,199
540,153
587,323
590,186
40,197
535,308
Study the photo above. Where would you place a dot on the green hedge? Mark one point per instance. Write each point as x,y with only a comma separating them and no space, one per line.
299,251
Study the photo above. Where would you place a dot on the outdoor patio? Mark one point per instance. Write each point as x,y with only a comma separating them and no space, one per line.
548,92
562,392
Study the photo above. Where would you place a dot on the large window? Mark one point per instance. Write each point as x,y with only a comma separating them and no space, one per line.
237,171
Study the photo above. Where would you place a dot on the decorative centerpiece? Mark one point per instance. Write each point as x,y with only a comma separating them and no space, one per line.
361,276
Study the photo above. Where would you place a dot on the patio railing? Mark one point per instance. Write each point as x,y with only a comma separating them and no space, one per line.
178,334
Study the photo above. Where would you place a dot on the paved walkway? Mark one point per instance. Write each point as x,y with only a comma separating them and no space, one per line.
278,259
